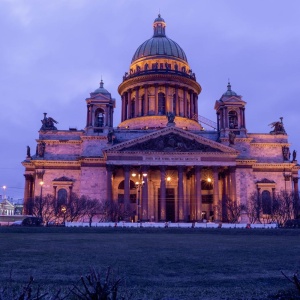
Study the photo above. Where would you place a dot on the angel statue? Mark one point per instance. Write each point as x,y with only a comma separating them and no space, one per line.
48,123
170,117
278,127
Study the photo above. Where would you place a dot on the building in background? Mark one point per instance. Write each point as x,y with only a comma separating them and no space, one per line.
160,162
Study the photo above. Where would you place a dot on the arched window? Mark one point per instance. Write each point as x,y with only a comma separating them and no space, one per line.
161,104
99,117
233,119
266,202
174,104
62,196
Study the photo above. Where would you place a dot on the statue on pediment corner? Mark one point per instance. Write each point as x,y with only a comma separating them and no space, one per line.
48,123
170,117
231,137
278,127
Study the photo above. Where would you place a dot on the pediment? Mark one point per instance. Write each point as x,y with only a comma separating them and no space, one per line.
63,178
172,139
234,99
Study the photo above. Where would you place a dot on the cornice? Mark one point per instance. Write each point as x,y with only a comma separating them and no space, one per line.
44,163
59,142
91,159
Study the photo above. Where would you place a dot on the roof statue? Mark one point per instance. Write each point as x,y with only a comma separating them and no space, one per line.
48,123
278,127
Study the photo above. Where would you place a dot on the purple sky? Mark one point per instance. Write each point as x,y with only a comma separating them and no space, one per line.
53,54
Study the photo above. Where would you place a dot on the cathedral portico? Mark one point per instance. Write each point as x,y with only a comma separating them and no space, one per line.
168,193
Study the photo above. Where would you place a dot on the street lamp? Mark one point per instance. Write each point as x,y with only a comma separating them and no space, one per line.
63,209
139,183
4,188
41,184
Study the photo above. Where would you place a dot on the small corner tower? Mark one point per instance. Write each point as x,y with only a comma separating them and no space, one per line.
100,108
230,111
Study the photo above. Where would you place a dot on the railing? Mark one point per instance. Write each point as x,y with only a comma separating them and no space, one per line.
159,71
203,120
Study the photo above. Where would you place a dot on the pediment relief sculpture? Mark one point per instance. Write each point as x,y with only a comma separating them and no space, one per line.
171,143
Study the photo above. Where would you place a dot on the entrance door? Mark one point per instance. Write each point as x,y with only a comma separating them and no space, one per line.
170,204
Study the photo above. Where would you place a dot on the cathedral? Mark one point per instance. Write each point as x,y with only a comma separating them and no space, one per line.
162,161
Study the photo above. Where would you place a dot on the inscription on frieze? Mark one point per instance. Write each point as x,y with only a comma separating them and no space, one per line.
171,143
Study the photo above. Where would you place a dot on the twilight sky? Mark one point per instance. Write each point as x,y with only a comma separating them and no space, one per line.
53,54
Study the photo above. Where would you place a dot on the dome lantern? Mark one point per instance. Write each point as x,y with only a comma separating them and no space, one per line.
159,26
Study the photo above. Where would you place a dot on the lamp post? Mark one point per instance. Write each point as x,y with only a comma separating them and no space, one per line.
139,183
41,184
64,210
4,188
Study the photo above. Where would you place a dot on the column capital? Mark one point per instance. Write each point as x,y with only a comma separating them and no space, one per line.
110,168
181,168
127,168
162,168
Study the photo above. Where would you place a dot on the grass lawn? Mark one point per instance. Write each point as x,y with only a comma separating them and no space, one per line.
156,263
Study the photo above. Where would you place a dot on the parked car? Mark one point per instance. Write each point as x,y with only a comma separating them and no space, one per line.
32,221
16,223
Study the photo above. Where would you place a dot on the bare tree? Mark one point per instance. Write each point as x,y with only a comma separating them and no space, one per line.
115,211
281,207
253,208
74,208
233,210
43,207
285,207
93,207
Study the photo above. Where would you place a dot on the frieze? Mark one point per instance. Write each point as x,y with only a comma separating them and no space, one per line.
112,157
56,142
218,159
246,161
270,144
98,137
171,143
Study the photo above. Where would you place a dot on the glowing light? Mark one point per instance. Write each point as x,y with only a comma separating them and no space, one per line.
133,174
169,178
41,183
208,179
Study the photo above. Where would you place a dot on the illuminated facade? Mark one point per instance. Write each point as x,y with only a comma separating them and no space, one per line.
159,162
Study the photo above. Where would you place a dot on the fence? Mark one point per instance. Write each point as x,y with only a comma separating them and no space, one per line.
171,225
